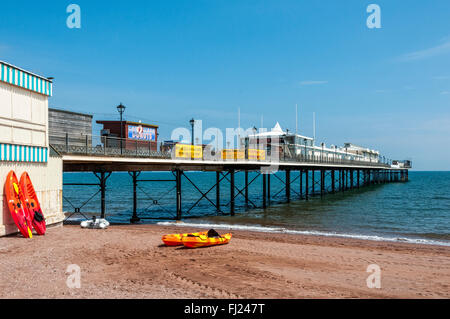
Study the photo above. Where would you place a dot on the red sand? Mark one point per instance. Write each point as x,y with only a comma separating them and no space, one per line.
129,262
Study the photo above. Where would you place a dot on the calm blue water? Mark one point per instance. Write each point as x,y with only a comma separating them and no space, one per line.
417,211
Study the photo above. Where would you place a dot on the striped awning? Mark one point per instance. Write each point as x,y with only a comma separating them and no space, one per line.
24,79
23,153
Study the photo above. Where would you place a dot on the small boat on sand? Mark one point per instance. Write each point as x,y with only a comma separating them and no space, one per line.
176,239
211,238
197,240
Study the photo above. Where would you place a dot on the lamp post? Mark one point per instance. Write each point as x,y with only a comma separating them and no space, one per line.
252,139
335,152
192,122
255,130
305,140
121,108
323,145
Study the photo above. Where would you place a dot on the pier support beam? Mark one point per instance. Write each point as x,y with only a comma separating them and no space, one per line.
264,190
301,183
344,180
102,179
333,181
218,191
347,179
178,187
352,173
307,184
322,182
232,197
103,194
246,188
288,185
357,178
135,219
344,177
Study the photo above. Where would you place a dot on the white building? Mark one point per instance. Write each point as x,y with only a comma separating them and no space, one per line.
296,145
24,141
366,153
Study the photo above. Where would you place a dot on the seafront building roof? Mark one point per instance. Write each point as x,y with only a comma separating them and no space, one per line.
127,122
25,79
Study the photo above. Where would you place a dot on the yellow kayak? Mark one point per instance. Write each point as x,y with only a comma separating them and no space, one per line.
211,238
176,239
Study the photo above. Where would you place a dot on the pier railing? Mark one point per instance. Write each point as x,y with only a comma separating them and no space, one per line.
92,145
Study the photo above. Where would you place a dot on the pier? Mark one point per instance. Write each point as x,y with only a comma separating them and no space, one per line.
302,177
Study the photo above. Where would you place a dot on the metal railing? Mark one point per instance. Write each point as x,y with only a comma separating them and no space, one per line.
332,160
93,145
117,147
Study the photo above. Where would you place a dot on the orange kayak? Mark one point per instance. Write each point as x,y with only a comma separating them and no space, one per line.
31,203
176,239
206,240
15,200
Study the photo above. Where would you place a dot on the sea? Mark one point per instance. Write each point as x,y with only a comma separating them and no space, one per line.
417,211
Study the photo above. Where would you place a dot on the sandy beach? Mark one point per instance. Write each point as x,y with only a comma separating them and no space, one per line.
131,262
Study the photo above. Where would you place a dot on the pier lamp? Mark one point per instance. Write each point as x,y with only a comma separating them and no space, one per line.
306,154
255,130
323,145
121,108
192,122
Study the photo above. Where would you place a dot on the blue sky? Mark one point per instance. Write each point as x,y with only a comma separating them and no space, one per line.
169,61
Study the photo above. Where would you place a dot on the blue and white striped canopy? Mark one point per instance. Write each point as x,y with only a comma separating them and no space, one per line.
24,79
23,153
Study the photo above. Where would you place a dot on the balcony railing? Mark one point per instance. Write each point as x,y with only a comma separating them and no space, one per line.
91,145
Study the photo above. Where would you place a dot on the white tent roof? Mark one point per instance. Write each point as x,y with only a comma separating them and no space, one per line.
276,131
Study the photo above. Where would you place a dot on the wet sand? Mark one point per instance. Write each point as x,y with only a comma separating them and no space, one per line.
130,262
